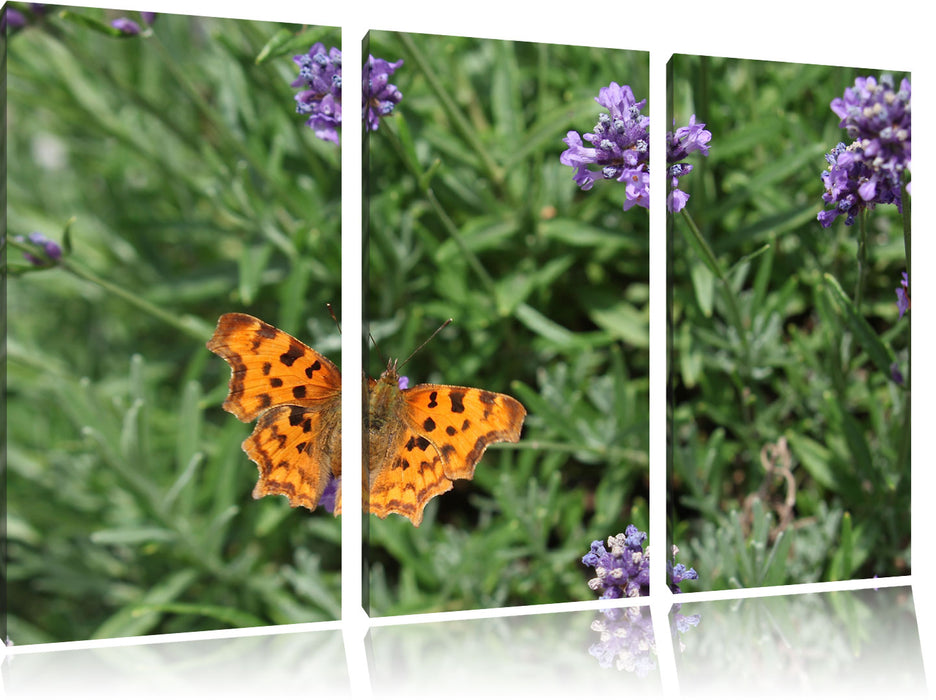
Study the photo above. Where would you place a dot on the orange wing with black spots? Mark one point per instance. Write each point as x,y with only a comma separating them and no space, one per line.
296,392
423,438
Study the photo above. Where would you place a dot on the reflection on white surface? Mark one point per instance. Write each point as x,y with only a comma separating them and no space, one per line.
280,665
540,656
842,644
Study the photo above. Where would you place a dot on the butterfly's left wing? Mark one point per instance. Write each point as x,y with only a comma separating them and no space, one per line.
297,451
405,471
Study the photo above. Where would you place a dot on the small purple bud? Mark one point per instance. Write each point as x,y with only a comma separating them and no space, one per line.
126,26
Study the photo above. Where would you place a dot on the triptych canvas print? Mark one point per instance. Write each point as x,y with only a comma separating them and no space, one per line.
173,317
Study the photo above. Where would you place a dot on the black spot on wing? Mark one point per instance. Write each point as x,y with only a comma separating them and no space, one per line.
457,398
289,357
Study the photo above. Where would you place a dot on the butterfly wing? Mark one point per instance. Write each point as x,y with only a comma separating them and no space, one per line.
460,422
430,435
296,392
270,368
413,475
298,452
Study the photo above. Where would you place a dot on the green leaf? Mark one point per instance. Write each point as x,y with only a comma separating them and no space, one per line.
96,25
814,457
229,616
128,622
840,568
252,265
286,42
880,354
132,536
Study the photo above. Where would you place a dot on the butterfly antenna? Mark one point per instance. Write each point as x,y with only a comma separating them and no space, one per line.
434,334
334,318
376,347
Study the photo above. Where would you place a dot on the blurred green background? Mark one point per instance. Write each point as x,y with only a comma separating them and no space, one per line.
193,189
471,216
781,365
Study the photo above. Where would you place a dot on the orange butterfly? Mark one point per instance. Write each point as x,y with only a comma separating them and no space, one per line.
419,439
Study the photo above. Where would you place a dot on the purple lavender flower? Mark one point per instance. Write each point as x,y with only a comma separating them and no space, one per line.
126,26
625,570
622,152
868,171
679,144
12,18
621,146
148,17
403,382
678,572
50,248
330,494
903,295
320,75
379,96
896,375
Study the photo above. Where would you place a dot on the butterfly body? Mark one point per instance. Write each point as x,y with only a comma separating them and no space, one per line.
418,439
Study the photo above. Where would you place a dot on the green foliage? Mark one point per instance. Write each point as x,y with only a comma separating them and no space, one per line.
471,216
784,335
188,187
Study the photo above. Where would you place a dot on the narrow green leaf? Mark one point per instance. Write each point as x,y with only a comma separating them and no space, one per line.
251,265
229,616
774,573
858,449
880,354
840,568
183,480
274,47
188,435
95,25
703,283
132,536
744,259
814,457
127,622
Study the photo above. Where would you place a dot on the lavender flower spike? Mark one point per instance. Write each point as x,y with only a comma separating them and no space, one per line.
379,96
869,170
620,143
679,144
51,249
625,570
126,26
320,76
621,151
903,295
